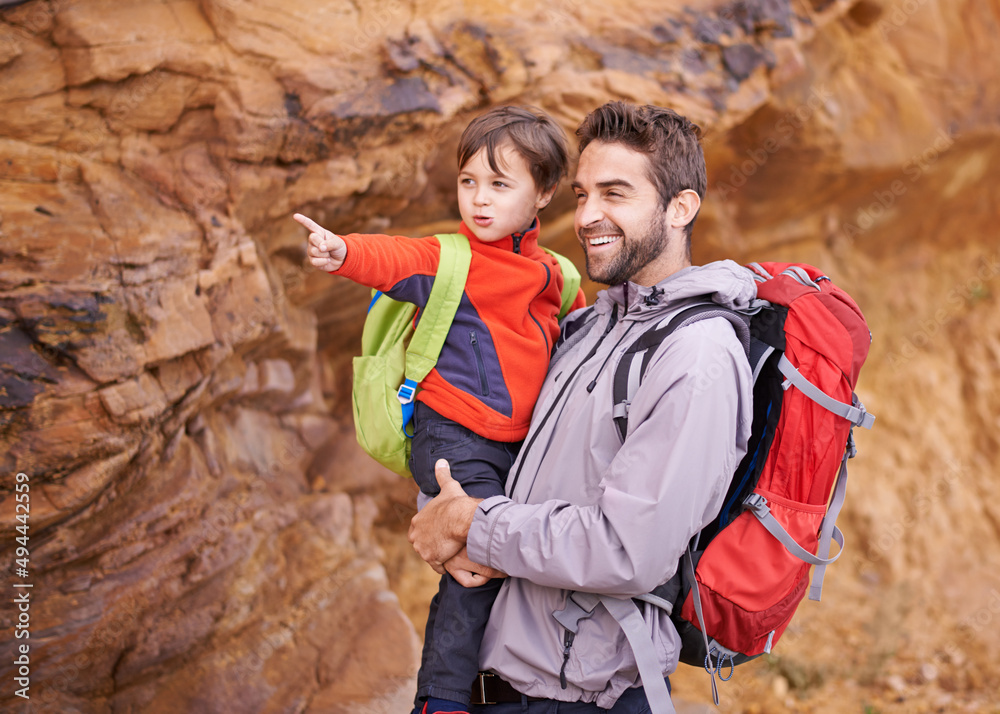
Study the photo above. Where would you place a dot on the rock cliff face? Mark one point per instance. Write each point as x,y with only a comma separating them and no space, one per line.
204,534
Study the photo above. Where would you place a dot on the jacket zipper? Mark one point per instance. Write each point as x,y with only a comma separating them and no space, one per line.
593,383
545,336
558,399
517,237
480,365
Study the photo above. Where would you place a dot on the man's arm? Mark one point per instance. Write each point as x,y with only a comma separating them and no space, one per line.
662,486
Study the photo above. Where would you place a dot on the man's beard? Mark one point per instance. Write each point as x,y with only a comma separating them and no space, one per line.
635,253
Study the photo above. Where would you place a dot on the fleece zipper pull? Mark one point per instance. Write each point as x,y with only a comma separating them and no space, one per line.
517,238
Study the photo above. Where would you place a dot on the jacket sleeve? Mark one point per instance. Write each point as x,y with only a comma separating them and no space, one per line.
402,268
688,429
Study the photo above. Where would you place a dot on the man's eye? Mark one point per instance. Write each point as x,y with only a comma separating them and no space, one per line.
580,196
614,194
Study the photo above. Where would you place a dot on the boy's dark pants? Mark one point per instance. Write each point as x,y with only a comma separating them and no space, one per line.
458,615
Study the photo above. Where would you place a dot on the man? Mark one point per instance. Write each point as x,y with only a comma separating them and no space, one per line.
584,511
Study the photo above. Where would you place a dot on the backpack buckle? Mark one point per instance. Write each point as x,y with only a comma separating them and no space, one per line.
406,392
757,503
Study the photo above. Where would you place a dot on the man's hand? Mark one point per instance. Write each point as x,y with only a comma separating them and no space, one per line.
326,250
468,573
439,530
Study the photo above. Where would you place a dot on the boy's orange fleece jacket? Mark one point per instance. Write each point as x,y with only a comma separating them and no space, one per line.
497,351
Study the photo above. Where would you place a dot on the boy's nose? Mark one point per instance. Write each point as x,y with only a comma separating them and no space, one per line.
481,198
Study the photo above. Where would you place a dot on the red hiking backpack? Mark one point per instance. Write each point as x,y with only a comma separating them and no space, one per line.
743,575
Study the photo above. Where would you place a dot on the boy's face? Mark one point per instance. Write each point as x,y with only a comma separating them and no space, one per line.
494,205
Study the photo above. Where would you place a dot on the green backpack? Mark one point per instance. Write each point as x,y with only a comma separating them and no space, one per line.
395,358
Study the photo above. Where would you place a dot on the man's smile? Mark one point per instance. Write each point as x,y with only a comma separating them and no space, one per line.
604,233
603,239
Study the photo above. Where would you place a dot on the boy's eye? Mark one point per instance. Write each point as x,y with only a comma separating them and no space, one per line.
500,184
467,182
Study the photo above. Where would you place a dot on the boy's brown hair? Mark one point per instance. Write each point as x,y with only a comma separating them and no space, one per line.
531,133
670,141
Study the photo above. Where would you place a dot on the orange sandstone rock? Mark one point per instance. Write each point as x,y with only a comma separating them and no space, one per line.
205,534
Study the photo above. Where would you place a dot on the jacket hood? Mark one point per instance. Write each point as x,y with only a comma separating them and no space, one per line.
724,282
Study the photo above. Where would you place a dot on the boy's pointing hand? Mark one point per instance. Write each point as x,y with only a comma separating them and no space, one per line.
326,250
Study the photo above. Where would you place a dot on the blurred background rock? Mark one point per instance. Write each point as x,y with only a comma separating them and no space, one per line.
205,535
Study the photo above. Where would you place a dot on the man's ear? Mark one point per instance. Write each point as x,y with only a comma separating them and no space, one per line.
544,197
684,207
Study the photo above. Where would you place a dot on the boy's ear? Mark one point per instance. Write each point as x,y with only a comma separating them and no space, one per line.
544,197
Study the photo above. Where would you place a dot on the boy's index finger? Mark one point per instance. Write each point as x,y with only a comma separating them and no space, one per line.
308,222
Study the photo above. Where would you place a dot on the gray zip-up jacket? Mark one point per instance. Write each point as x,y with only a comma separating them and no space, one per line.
585,512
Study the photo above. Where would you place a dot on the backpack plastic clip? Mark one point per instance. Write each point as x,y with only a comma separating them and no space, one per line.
407,391
757,503
864,420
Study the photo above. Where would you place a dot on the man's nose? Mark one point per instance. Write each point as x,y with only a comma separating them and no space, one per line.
588,212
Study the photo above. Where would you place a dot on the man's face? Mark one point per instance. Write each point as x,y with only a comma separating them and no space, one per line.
619,220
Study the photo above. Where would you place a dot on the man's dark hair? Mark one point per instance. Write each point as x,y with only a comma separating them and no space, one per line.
531,133
669,140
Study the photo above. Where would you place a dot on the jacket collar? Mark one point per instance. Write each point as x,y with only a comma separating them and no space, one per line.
724,282
527,242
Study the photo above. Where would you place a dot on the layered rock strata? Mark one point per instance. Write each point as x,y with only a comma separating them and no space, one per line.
204,534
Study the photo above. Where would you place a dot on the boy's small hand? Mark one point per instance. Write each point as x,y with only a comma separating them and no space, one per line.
326,250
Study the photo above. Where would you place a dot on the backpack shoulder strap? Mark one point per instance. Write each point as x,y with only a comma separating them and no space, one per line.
632,366
571,281
442,304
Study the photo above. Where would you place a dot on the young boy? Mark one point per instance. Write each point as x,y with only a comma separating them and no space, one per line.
475,406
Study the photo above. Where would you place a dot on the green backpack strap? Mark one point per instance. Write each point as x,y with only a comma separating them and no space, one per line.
442,304
394,354
571,281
